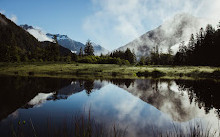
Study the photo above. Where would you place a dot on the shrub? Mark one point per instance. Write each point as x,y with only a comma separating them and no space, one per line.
154,74
157,74
141,74
216,73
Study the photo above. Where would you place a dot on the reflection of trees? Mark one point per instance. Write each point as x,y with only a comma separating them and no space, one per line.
204,92
88,85
120,82
18,91
163,95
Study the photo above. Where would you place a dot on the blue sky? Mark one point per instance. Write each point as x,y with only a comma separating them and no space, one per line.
64,17
110,23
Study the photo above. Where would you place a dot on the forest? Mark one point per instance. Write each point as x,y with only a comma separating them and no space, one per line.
202,50
17,45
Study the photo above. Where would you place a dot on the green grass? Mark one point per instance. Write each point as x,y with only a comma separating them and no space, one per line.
56,69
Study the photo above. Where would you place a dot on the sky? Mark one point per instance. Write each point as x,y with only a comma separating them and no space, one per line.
110,23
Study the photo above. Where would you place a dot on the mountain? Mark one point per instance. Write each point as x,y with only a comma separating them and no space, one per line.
17,44
13,35
66,42
63,40
75,46
170,34
99,49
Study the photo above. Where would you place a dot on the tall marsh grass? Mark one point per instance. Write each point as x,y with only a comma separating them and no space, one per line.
80,125
86,126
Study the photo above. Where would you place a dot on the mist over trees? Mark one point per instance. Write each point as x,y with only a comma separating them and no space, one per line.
202,49
126,55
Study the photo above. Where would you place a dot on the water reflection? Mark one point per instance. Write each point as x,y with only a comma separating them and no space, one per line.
204,93
137,104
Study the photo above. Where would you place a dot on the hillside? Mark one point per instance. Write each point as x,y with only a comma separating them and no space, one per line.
17,44
170,34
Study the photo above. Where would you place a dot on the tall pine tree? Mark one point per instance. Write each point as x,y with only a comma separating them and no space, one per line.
88,50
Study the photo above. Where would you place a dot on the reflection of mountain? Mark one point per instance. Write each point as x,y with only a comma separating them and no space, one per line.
18,91
76,87
166,97
27,92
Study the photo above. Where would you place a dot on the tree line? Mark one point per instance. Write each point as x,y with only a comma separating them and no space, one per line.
202,49
117,57
17,45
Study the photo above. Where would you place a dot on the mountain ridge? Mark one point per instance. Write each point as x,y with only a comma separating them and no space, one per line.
63,40
169,34
75,46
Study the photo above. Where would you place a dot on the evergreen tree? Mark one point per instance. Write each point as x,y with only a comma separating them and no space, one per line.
89,49
142,61
129,56
155,56
81,52
56,50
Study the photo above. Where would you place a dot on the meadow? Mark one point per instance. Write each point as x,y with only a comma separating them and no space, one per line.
58,69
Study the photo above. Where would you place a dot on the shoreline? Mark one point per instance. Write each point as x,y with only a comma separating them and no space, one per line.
103,71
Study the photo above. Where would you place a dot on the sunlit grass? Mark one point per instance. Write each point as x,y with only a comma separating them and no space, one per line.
104,70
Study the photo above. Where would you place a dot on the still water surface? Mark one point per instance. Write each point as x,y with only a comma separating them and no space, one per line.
140,106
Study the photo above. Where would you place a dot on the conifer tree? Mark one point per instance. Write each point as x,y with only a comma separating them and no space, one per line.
81,52
89,51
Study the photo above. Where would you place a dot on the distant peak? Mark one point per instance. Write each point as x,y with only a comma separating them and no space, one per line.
59,37
26,27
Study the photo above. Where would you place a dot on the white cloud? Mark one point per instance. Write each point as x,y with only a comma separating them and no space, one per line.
14,18
117,22
39,34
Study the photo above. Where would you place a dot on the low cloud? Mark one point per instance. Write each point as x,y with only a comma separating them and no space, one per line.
115,23
13,18
39,34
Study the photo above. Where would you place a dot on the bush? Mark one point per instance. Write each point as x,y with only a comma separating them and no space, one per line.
157,74
88,59
141,74
154,74
68,59
216,73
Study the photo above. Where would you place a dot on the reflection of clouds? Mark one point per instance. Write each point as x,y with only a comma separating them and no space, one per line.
162,96
40,98
138,108
168,98
113,105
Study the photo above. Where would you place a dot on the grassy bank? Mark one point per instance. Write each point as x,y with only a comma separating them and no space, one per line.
106,70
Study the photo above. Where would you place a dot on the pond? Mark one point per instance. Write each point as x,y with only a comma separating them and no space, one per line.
32,106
